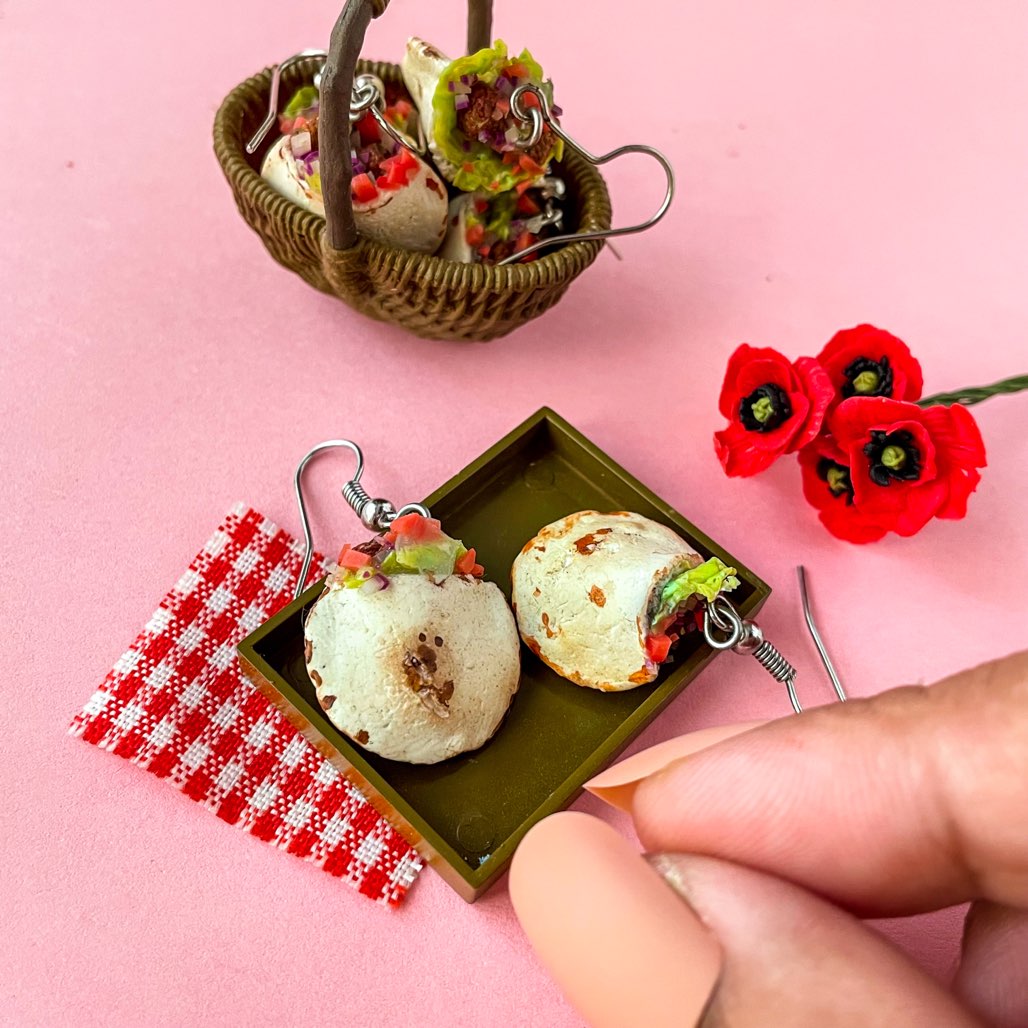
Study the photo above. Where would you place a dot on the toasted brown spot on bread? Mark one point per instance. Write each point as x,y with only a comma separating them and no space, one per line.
327,701
434,186
528,546
419,669
438,640
588,543
315,677
308,650
537,591
598,596
422,637
362,737
640,677
533,646
550,633
427,657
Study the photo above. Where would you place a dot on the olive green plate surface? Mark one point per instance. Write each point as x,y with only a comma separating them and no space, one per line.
468,814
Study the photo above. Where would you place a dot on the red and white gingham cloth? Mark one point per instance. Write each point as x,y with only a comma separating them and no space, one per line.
178,705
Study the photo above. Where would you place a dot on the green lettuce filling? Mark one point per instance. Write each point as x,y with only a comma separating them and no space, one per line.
302,100
498,216
481,168
436,559
711,578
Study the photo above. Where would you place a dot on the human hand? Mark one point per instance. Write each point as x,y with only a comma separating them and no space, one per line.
779,838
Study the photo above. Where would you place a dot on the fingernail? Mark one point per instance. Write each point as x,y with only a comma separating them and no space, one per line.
617,784
620,944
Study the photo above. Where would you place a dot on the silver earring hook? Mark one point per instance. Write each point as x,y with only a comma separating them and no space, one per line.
276,82
368,94
535,116
744,636
375,514
808,616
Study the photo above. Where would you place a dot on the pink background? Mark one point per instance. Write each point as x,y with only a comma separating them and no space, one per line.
837,162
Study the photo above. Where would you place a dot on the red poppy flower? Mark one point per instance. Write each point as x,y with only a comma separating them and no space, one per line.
773,406
828,489
908,465
868,361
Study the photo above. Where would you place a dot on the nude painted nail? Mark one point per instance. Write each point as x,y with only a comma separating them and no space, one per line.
623,947
617,784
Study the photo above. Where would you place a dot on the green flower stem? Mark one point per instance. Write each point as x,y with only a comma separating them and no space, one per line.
976,394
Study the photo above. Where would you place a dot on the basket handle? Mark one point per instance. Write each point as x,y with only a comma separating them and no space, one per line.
336,86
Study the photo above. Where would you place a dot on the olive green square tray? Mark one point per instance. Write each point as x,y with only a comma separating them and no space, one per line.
467,815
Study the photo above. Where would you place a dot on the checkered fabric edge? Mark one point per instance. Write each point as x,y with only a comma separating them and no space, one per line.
177,705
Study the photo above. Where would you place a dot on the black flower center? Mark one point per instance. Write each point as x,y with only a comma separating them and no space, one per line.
893,455
867,377
837,476
765,408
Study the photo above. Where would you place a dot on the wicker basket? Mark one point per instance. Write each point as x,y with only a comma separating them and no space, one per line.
429,296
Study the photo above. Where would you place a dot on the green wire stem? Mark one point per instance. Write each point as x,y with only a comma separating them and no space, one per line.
976,394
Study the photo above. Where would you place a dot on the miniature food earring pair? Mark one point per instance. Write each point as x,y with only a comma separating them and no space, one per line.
415,657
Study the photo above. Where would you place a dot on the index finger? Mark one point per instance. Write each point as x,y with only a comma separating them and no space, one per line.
909,801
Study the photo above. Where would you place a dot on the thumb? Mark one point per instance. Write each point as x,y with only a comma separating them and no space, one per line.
792,958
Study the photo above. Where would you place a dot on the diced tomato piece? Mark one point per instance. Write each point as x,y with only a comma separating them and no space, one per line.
353,559
404,158
468,167
511,157
363,188
521,187
526,205
516,70
465,564
657,647
474,234
531,167
478,571
524,241
481,206
399,174
530,99
414,528
484,250
405,524
368,129
399,112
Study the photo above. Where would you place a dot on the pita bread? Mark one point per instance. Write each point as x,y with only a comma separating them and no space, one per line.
584,591
418,671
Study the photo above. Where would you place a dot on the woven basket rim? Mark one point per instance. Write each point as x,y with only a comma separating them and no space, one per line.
230,149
